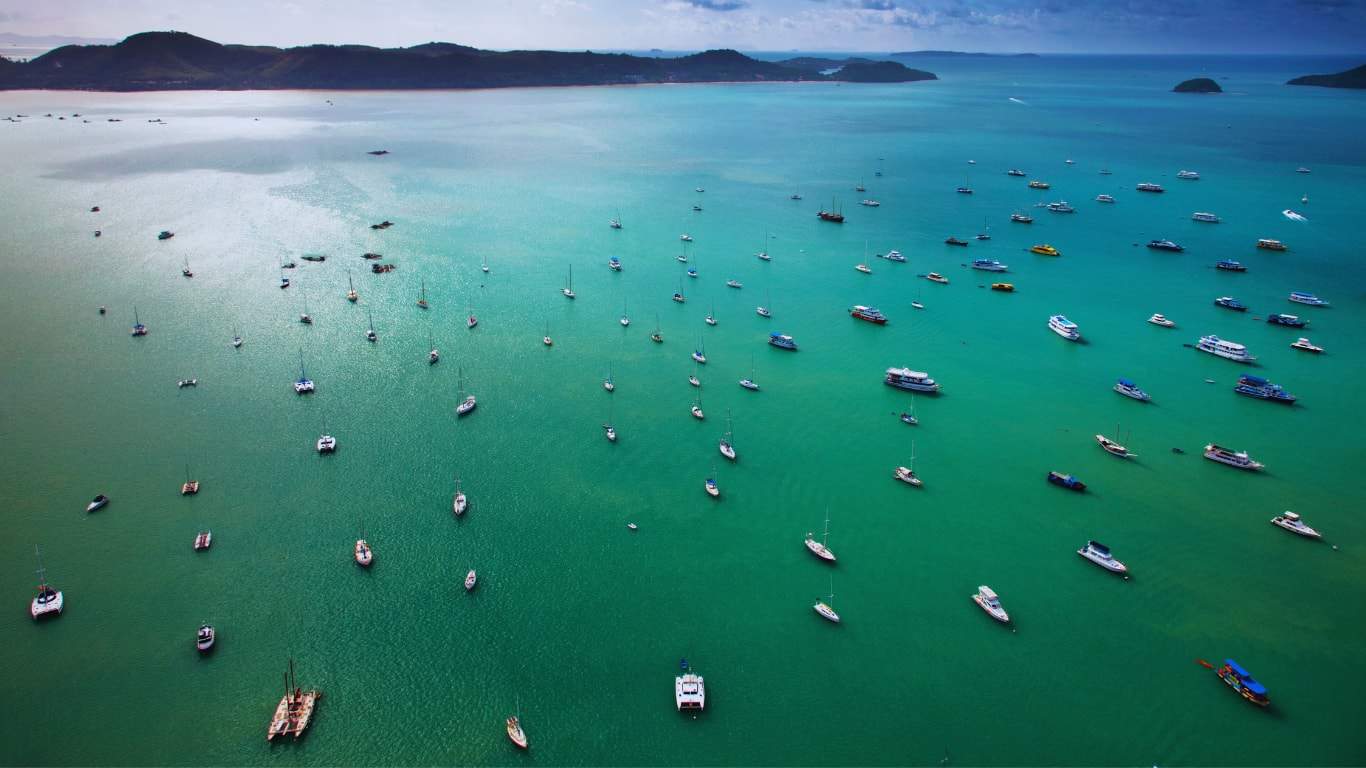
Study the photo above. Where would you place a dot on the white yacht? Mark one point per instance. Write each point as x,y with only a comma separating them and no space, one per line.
762,312
1208,218
1100,555
327,444
894,255
1292,522
905,378
1064,327
1228,350
820,548
690,692
989,602
1129,389
48,600
826,612
1160,319
610,432
1188,175
864,268
1303,297
1306,345
459,503
1061,206
1233,458
470,579
1105,198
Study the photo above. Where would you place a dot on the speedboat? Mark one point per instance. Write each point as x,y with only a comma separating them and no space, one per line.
1260,388
1147,186
954,241
1268,244
1022,218
1061,206
894,255
989,265
870,314
869,203
204,639
1233,458
907,476
364,556
1208,218
1044,249
1129,389
470,579
1240,680
97,503
1302,297
1229,265
1188,175
782,341
1003,287
1113,448
1294,215
713,490
1100,555
1038,185
685,237
987,600
935,277
1228,302
1069,482
1160,319
826,612
1291,321
863,268
327,444
734,284
614,264
203,540
1165,245
749,384
915,381
1015,172
1306,345
1228,350
515,732
1064,327
1105,198
1292,522
466,405
690,692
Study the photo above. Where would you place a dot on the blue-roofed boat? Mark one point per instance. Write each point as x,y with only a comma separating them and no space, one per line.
1290,321
1260,388
1241,680
782,341
1303,297
1069,482
1229,265
1129,389
614,264
1228,302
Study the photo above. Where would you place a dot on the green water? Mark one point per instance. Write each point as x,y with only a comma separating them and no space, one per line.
578,620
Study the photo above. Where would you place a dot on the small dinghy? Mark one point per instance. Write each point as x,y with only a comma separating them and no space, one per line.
470,580
205,638
203,540
97,503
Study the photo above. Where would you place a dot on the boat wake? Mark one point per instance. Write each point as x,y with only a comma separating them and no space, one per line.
1294,215
1019,101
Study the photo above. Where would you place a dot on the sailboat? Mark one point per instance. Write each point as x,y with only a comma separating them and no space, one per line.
763,311
236,338
826,610
711,316
304,385
458,502
879,167
364,555
763,251
284,281
712,489
727,444
351,294
432,356
546,341
820,548
700,354
692,377
190,487
625,319
305,318
607,383
186,269
49,600
422,298
907,474
615,223
467,403
749,383
678,295
697,407
863,265
568,290
609,431
657,337
326,443
370,334
985,234
138,328
909,417
484,265
471,321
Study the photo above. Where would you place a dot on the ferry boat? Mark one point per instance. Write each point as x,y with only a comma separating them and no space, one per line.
1015,172
782,341
987,600
327,444
471,579
515,733
1267,244
1022,218
893,255
914,381
1100,555
1291,321
97,503
614,264
1228,350
1292,522
954,241
204,639
1241,680
870,203
1129,389
1070,482
1229,265
1208,218
1064,327
1233,458
989,265
1165,245
1188,175
1302,297
870,314
364,556
935,277
1228,302
1260,388
1160,319
1306,345
1003,287
203,540
1105,198
1061,206
864,268
1038,185
1113,448
1149,187
690,692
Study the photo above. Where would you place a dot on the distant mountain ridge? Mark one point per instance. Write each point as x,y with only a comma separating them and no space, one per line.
1352,78
964,53
181,61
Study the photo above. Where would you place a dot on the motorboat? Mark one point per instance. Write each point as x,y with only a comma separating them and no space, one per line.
203,540
97,503
1294,215
1291,521
1105,198
1015,172
1205,217
515,733
1229,265
863,268
1147,186
165,234
869,203
690,692
989,265
1228,302
1062,206
204,638
1003,287
935,277
1268,244
1306,345
1188,175
1260,388
1113,448
1038,185
734,284
868,314
1100,555
327,444
1302,297
955,241
1228,350
1129,389
1290,321
363,554
987,600
1070,482
470,580
1022,218
1044,249
1064,327
1233,458
1240,680
907,476
915,381
1165,245
1160,319
782,341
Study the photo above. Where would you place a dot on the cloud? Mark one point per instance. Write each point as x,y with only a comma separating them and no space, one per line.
719,5
553,7
877,5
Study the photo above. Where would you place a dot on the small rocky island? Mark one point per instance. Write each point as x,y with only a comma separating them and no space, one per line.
1352,78
1198,85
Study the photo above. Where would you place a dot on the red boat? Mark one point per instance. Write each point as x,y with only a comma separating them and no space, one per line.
834,216
870,314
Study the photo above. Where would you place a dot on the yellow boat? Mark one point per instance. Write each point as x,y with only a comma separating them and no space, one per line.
1005,287
1045,250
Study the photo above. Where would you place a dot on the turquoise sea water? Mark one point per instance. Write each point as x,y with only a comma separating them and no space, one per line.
580,622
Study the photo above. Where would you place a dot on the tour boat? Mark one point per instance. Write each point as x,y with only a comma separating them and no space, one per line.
204,639
893,255
820,548
515,732
690,692
203,540
1064,327
782,341
1113,448
989,265
1233,458
1226,349
364,557
987,600
1228,302
1165,245
1301,297
1160,319
1229,265
48,600
1290,321
1306,345
1260,388
1148,187
915,381
1069,482
1129,389
1188,175
935,277
1044,249
870,314
1100,555
1204,216
470,579
1062,206
97,503
1022,218
1291,521
1038,185
1003,287
1105,198
327,444
458,502
954,241
863,268
1240,680
1268,244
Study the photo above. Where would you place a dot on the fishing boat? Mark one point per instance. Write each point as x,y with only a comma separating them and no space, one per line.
1070,482
1148,186
1268,244
1228,350
1233,458
935,277
470,579
1114,448
467,402
568,289
1160,319
1064,328
138,328
295,710
614,264
826,610
1306,345
458,502
989,265
1165,245
1205,216
1290,321
205,638
189,487
97,503
1302,297
1129,389
48,601
782,341
1261,389
727,444
1228,302
868,314
303,385
363,554
1291,521
1044,249
351,294
1100,555
1240,680
915,381
1021,218
690,692
370,334
820,548
1229,265
987,600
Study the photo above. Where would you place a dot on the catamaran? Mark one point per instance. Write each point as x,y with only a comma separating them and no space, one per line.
189,487
138,328
304,385
48,601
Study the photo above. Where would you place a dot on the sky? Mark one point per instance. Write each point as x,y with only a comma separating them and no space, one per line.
1039,26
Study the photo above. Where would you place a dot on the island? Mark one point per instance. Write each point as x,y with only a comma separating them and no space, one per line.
859,70
1198,85
169,61
1352,78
